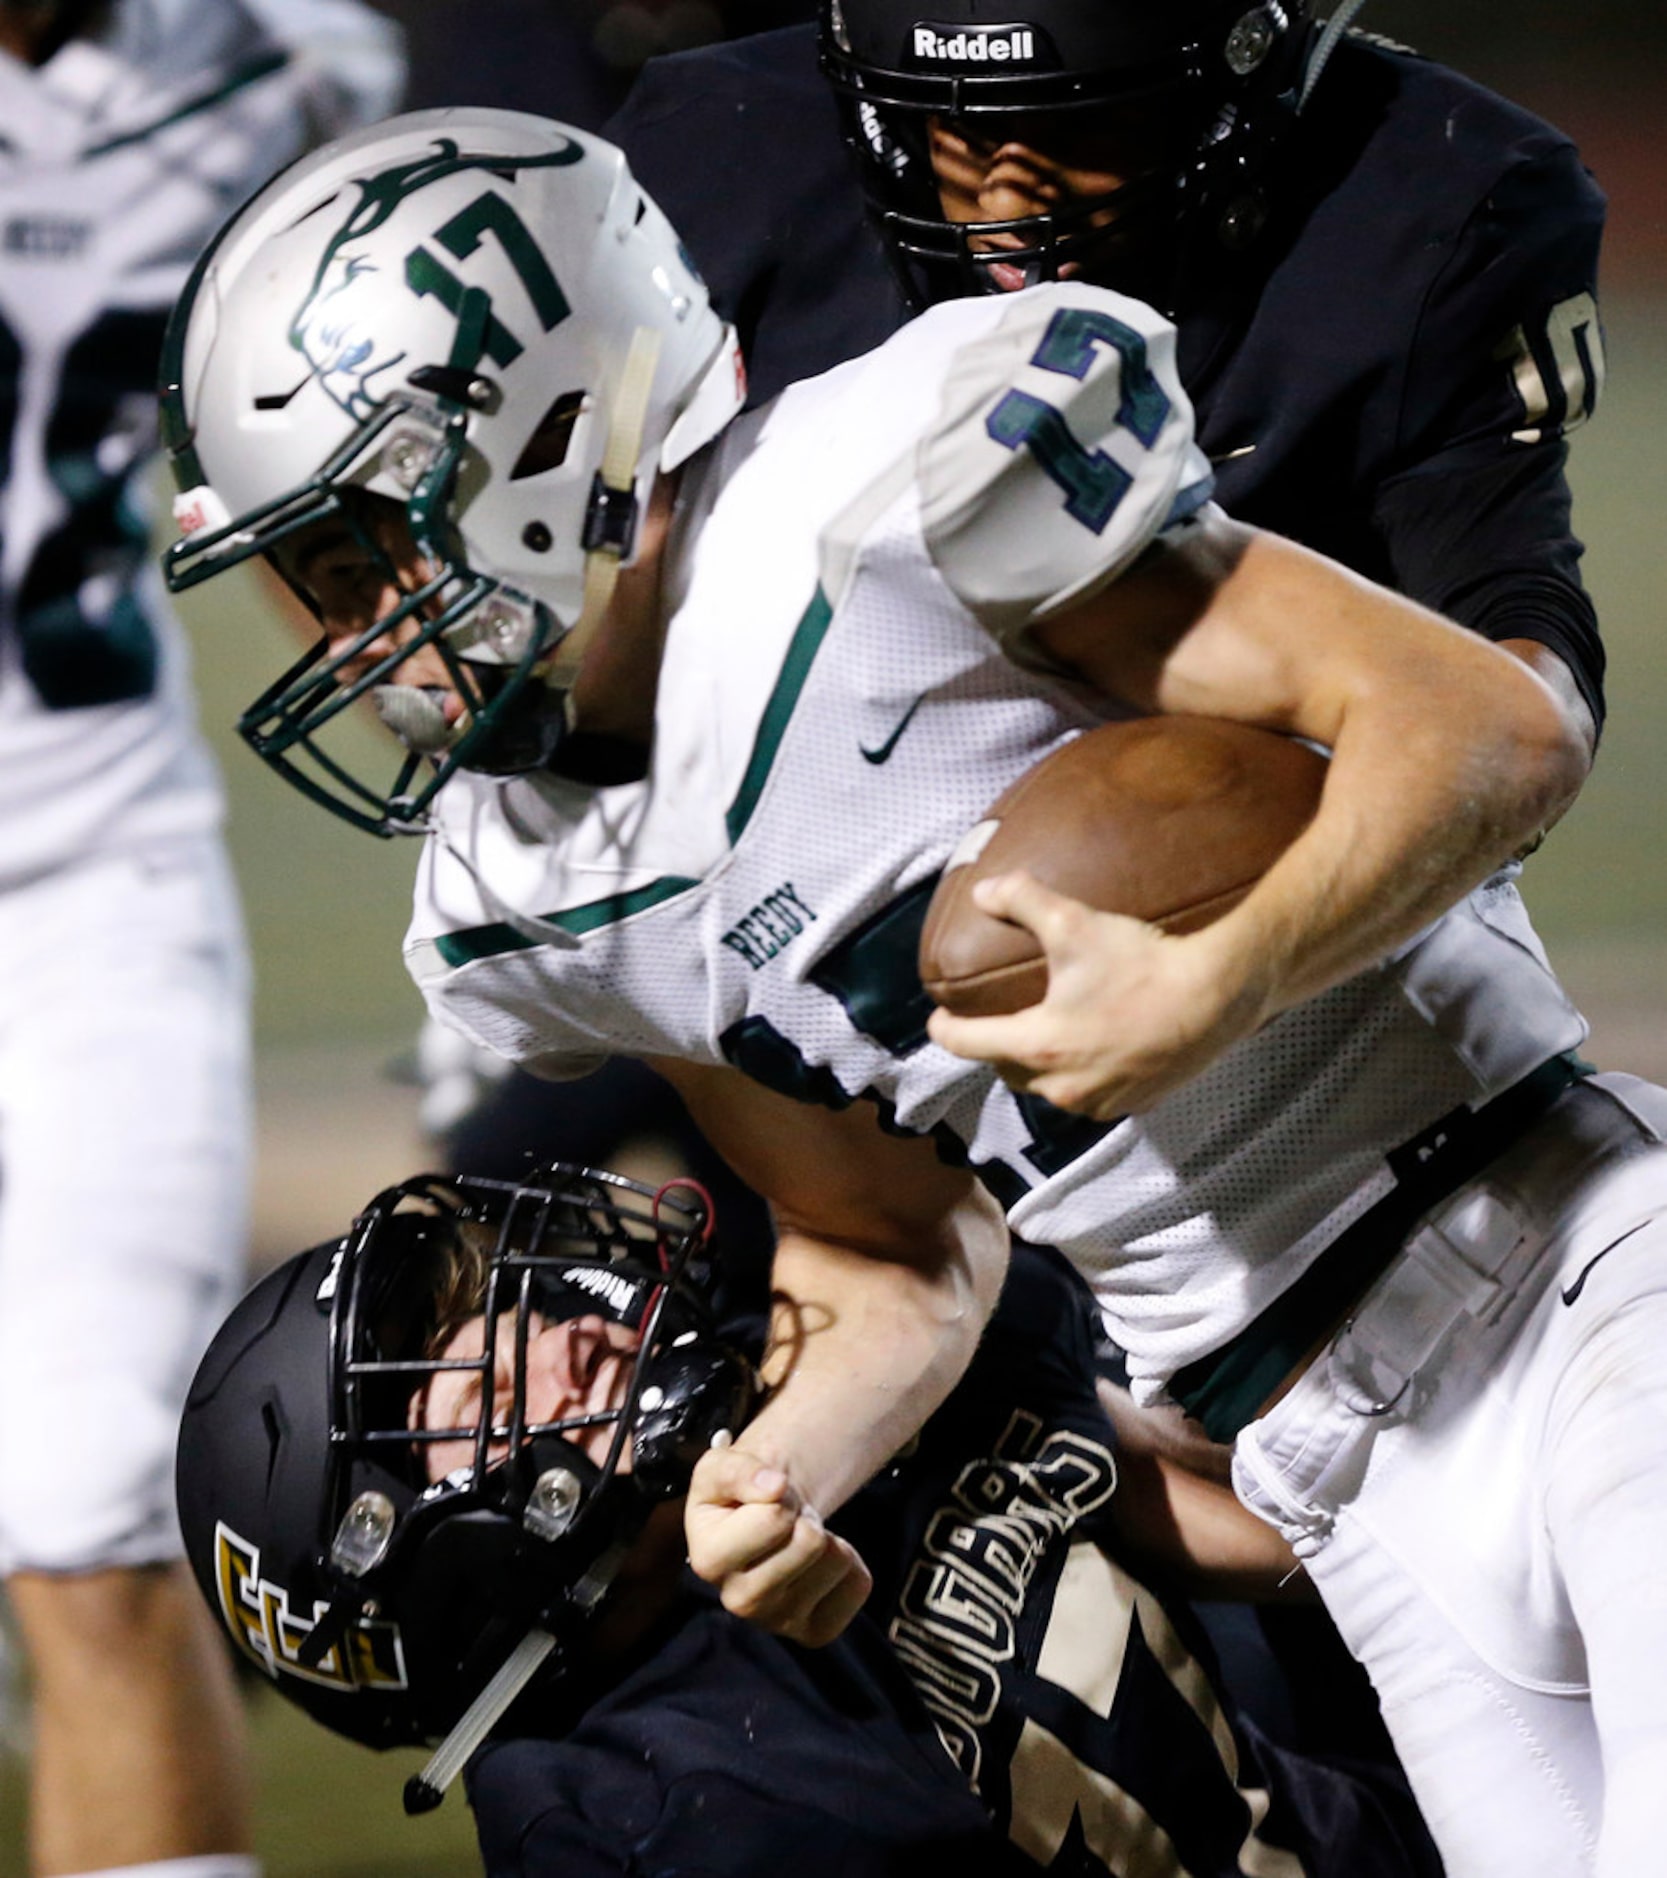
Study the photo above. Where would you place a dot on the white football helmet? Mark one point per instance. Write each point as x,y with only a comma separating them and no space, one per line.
480,315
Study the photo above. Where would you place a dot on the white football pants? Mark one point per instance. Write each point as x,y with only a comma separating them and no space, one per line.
1476,1473
124,1131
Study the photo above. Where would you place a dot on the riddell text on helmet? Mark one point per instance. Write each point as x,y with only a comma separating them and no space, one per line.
975,44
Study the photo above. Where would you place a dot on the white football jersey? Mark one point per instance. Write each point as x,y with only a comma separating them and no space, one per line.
119,158
846,687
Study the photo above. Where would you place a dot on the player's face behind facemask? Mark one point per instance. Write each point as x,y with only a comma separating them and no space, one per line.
398,633
379,1584
560,1371
1055,195
477,316
1140,137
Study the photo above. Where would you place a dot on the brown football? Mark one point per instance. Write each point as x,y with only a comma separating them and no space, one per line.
1169,819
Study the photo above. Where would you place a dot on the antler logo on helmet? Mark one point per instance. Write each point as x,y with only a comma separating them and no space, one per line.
335,329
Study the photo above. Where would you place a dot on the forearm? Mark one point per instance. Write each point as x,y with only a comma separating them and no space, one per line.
888,1264
1178,1516
1447,755
866,1346
864,1349
1437,778
1195,1536
1406,827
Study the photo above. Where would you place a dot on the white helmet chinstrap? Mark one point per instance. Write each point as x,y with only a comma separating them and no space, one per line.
477,314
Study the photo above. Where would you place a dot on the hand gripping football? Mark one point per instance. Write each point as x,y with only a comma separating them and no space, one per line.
1169,819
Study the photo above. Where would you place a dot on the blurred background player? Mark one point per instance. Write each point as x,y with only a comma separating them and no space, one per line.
129,131
1016,1697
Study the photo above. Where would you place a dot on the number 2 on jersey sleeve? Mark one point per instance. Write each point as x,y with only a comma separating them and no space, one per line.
1093,483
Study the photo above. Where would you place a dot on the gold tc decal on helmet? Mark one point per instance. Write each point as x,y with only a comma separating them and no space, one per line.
370,1655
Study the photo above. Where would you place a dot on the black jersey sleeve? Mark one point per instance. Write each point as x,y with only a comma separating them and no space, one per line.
1492,547
1506,360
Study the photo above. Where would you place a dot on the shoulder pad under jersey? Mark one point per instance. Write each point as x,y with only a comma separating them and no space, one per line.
1062,447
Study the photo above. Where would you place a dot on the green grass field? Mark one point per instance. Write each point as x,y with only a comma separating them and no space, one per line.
326,909
327,1809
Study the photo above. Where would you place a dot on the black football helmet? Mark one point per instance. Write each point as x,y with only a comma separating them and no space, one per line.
383,1603
1215,83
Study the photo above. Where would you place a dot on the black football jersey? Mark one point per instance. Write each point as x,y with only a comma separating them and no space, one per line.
1083,1706
1011,1700
1388,377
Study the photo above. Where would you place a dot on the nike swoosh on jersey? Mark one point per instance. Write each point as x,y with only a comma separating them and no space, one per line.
1573,1292
883,753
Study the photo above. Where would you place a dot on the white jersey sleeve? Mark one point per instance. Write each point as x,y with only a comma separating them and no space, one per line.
1062,448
